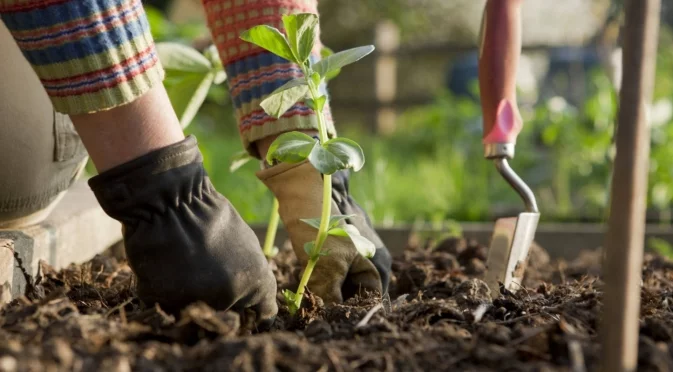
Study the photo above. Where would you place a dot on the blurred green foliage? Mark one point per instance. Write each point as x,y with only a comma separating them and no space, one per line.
432,169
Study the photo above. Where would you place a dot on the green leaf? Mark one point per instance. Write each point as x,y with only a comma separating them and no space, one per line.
271,39
320,103
315,78
290,297
309,102
291,84
220,77
324,161
187,94
362,244
337,231
333,221
314,222
307,36
341,59
291,147
316,105
238,160
348,151
325,52
308,248
278,103
300,30
213,56
291,30
337,154
179,57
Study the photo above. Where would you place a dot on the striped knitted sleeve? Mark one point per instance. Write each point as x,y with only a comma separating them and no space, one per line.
91,55
253,73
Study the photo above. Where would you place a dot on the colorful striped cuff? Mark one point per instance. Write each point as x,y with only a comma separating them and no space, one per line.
253,73
90,55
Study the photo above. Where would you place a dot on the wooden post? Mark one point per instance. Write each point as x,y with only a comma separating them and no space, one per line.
626,225
387,43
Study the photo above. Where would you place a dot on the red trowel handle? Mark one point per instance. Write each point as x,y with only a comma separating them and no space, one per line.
499,50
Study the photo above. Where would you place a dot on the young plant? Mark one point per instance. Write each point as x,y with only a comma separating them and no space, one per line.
189,76
326,155
238,160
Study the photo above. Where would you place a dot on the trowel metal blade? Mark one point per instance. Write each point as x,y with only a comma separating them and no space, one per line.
508,253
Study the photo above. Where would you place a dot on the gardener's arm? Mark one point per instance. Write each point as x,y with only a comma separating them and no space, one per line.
185,242
252,75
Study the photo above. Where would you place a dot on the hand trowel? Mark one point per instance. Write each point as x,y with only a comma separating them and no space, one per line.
499,51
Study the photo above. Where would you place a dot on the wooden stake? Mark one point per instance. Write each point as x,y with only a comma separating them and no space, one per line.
626,226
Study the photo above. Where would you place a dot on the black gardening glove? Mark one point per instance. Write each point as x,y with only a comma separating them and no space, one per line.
340,194
184,241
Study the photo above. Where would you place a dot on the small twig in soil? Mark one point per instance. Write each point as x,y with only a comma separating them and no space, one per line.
334,360
369,316
102,269
531,351
112,276
389,362
574,347
576,356
479,312
529,336
456,360
515,320
120,307
561,271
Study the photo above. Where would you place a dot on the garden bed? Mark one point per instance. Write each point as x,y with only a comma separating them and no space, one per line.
438,317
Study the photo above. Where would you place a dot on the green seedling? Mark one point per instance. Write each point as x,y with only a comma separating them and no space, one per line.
271,250
326,155
189,76
238,160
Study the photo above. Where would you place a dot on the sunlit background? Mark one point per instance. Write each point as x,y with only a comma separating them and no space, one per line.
413,106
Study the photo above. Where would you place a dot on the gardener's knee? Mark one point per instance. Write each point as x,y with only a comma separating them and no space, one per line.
41,154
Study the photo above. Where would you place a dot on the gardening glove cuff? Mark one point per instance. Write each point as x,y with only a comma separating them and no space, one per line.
185,241
343,272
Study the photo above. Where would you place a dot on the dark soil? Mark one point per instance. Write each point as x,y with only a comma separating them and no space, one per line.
439,316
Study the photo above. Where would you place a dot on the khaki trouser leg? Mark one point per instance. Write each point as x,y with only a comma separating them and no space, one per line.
40,152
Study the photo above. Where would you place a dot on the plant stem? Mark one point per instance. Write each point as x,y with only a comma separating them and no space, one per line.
304,280
326,203
271,230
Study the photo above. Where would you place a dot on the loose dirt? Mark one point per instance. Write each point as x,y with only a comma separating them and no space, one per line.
438,316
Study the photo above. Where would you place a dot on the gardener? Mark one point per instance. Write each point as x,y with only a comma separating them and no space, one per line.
96,80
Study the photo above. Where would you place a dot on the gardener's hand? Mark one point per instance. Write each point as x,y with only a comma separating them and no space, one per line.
343,272
184,240
347,206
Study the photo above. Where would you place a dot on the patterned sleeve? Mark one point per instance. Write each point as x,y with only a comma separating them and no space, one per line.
254,73
91,55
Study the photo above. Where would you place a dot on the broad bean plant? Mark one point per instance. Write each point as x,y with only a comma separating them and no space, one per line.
326,155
